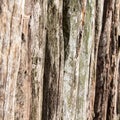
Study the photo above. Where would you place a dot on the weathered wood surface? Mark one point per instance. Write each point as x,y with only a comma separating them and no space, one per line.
54,62
59,59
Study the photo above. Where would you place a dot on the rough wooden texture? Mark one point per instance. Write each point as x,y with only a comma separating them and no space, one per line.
73,22
106,80
38,41
10,38
54,61
23,86
59,59
118,89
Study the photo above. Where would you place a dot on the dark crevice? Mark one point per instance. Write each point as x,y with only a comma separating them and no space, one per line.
50,89
51,95
105,8
1,2
45,81
119,41
0,9
66,26
23,37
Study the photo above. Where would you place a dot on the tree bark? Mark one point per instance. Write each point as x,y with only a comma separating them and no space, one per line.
59,60
54,61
